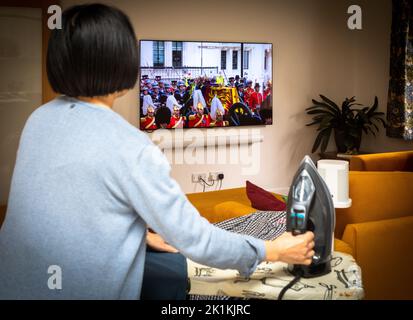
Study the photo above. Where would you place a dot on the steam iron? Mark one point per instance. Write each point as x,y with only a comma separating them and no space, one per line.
310,208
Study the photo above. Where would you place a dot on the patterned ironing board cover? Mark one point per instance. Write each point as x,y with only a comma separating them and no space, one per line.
343,282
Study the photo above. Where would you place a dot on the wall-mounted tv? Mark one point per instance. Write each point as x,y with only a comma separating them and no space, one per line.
190,84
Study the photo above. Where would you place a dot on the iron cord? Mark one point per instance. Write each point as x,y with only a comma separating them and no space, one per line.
297,278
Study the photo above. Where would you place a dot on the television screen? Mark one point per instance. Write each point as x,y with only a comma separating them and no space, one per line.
189,84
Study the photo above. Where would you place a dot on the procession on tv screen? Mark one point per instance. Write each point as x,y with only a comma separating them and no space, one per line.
204,84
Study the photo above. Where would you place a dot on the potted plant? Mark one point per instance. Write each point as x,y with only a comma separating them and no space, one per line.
348,123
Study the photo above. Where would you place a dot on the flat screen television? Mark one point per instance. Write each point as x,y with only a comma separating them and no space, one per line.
190,84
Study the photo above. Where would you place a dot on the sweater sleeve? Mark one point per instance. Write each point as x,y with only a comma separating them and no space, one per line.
160,202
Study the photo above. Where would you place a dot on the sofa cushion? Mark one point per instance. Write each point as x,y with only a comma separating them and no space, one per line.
232,209
205,202
262,199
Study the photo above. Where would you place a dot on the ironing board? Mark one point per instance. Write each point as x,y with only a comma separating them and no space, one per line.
343,282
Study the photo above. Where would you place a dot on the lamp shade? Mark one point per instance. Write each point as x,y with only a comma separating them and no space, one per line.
335,175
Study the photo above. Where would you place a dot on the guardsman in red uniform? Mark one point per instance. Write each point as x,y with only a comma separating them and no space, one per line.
148,122
256,98
177,121
248,91
219,121
199,120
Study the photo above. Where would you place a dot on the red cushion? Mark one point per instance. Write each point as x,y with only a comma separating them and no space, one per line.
263,200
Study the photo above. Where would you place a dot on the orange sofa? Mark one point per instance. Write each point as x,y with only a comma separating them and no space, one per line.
379,224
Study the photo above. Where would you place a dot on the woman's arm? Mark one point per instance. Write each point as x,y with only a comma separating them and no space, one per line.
158,199
286,248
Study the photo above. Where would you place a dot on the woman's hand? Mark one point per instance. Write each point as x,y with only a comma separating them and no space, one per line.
156,242
291,249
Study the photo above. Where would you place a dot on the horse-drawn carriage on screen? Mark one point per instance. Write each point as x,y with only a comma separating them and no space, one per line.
236,112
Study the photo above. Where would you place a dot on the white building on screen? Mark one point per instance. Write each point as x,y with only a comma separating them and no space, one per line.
176,59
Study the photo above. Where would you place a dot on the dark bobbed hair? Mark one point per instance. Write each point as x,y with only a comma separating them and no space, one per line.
94,54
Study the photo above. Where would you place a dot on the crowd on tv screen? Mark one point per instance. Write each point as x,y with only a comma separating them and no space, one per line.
203,102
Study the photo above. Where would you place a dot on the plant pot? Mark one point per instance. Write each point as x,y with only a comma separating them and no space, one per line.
357,142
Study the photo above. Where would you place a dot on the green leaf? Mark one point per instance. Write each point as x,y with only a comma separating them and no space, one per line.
336,111
326,110
382,122
319,117
324,127
329,102
319,112
326,121
312,123
315,107
318,140
326,139
363,117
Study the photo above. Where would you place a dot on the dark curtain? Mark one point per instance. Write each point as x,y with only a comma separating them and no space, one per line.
400,96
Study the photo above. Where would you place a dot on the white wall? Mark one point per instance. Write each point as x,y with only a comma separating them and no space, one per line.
313,52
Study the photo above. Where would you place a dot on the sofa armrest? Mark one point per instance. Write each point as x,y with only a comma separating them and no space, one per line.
383,249
376,196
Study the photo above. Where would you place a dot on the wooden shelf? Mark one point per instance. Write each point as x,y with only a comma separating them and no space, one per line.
333,155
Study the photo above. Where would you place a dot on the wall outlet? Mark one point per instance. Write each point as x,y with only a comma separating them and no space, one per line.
196,177
213,176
